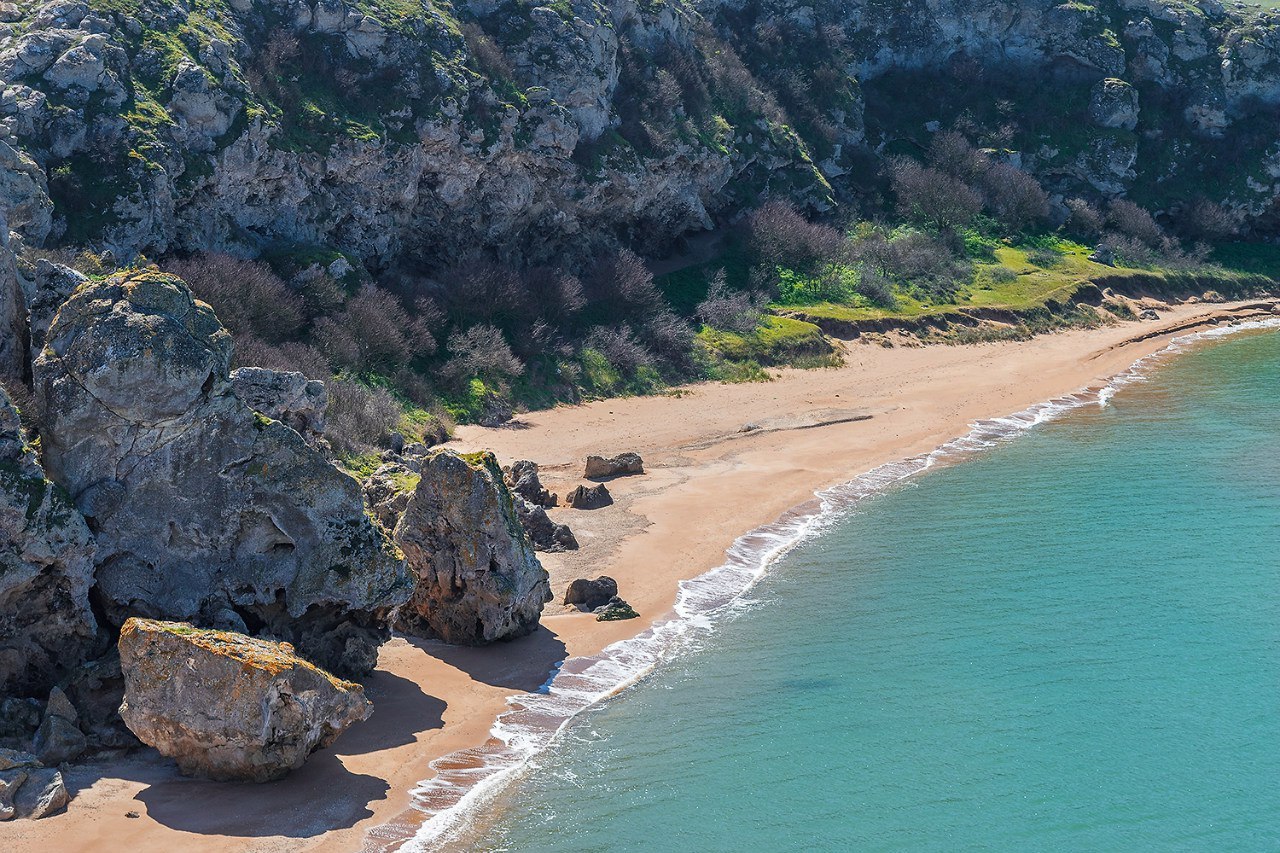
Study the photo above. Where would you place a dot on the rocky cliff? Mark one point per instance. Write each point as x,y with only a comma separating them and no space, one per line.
398,130
201,508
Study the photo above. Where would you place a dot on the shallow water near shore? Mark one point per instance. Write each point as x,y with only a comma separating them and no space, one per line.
1071,641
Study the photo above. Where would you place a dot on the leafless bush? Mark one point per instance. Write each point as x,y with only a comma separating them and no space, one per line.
780,237
375,332
1167,252
480,351
731,310
1014,197
1132,221
931,197
622,281
246,295
251,351
558,296
481,289
876,287
620,347
1085,221
952,154
358,416
1206,220
669,338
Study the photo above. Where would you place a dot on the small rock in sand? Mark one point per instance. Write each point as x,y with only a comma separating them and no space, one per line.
589,497
622,465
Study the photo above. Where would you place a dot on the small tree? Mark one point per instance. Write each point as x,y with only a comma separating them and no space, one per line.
1015,197
480,352
1132,221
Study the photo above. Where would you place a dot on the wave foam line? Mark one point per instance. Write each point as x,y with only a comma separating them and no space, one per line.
467,780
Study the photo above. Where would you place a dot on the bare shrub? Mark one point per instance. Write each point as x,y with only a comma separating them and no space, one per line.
780,237
293,356
1014,197
1132,221
359,416
489,58
931,197
1207,220
558,296
246,295
737,311
952,154
375,332
620,347
622,282
669,338
1084,220
480,351
873,285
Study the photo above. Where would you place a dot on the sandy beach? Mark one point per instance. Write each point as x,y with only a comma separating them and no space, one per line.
707,481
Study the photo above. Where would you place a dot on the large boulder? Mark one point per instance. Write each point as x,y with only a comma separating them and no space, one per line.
204,510
587,594
46,570
229,707
478,577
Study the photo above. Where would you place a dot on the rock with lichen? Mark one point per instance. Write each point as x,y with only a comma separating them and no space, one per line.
202,509
478,579
46,570
230,707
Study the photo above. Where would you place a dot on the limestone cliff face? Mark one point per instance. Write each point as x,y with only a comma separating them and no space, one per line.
201,508
424,130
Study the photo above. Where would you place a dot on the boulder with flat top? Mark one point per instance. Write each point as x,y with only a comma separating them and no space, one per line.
230,707
622,465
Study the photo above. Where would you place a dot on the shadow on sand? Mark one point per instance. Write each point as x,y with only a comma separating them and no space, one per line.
525,663
321,796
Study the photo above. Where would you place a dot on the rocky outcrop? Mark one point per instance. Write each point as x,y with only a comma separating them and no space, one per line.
524,481
389,489
478,577
202,509
46,570
615,610
297,402
586,594
622,465
230,707
545,534
589,497
28,789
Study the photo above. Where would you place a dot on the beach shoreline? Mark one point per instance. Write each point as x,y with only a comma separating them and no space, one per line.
708,479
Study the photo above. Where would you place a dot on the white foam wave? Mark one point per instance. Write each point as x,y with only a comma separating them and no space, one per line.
466,781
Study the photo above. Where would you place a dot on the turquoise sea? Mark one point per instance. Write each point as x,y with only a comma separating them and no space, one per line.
1067,642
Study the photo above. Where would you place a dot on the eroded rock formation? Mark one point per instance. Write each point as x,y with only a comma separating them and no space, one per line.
46,570
201,508
622,465
478,577
297,402
230,707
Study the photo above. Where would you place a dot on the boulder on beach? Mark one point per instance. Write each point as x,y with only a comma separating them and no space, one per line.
202,509
587,595
622,465
589,497
478,579
614,610
28,789
229,707
545,534
59,737
524,481
46,570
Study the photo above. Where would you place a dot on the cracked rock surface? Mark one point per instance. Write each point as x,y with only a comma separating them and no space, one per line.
202,509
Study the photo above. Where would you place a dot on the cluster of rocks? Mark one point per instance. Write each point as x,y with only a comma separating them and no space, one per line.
196,508
532,500
599,596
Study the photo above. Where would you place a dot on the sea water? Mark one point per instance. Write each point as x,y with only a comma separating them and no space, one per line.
1070,641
